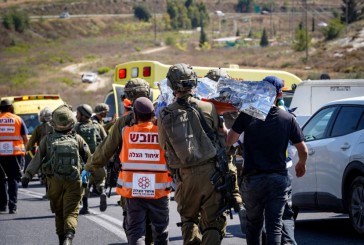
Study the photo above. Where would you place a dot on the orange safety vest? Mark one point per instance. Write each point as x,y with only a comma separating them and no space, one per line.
144,172
11,141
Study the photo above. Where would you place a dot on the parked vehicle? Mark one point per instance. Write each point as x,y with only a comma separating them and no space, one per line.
64,15
334,179
89,77
312,94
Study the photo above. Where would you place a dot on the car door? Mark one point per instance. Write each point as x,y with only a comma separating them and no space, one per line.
304,189
334,155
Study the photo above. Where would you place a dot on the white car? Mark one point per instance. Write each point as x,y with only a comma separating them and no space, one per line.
89,77
334,179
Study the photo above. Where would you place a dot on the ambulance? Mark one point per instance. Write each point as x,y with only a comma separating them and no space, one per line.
154,71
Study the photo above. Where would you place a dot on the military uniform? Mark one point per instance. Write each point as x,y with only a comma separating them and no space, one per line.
64,192
198,201
39,132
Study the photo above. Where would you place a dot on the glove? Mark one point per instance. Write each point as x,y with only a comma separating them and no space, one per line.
25,182
84,176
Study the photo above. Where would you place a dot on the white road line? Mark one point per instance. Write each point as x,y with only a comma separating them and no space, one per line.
117,230
30,193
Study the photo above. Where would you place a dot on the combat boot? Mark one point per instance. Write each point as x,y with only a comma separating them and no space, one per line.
68,237
61,239
84,209
103,203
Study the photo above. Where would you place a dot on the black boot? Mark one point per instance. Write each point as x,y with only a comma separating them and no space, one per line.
84,209
61,239
68,237
103,203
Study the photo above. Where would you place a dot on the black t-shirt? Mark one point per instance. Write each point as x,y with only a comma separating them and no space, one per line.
265,142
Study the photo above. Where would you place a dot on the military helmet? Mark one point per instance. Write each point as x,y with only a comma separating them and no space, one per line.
85,110
135,88
215,74
63,118
101,107
45,115
181,77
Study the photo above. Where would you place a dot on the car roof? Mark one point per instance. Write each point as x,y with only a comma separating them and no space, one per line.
352,100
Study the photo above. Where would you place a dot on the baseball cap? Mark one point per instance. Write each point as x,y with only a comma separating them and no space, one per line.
276,82
143,105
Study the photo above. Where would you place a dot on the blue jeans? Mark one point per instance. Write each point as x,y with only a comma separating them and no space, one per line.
265,196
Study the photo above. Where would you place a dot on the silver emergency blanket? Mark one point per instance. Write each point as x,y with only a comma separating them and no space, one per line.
254,98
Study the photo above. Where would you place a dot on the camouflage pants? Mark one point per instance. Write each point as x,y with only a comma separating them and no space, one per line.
198,204
65,197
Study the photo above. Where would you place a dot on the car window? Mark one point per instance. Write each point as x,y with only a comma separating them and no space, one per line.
347,120
316,127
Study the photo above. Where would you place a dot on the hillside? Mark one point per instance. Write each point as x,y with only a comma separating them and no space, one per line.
51,55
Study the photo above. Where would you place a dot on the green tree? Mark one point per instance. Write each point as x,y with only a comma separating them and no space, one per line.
245,6
299,42
16,20
142,13
333,29
264,39
203,37
351,9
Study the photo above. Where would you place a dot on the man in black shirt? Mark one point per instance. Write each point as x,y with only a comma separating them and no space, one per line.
266,183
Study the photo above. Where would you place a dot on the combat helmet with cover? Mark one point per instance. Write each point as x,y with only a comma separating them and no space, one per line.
101,107
45,115
215,74
181,77
63,118
135,88
85,110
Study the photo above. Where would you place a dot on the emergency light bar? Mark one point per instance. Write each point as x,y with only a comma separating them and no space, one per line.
122,73
36,97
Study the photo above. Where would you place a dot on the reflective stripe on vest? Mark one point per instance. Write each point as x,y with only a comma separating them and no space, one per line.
11,141
144,173
143,166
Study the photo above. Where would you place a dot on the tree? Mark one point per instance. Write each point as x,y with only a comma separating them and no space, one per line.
142,13
245,6
264,39
351,10
333,29
203,37
299,42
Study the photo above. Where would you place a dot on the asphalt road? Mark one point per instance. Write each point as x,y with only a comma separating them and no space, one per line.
34,224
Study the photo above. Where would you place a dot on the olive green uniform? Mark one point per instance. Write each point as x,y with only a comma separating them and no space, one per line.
98,176
64,194
229,119
39,132
197,200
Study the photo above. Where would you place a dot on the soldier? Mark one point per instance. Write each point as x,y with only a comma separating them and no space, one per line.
45,117
101,110
191,157
135,88
13,137
93,134
61,155
229,118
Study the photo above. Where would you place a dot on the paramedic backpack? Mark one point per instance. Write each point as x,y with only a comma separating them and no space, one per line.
64,158
190,145
90,133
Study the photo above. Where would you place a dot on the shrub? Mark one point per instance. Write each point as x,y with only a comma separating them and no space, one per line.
18,21
142,13
333,29
103,70
170,41
264,39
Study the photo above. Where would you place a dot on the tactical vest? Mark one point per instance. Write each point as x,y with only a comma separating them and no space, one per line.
188,143
90,133
64,157
144,173
11,141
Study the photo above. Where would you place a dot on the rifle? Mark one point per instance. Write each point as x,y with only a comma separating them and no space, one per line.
112,172
222,179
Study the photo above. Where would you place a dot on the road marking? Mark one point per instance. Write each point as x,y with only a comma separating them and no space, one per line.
117,230
31,193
